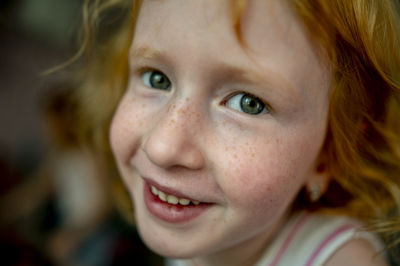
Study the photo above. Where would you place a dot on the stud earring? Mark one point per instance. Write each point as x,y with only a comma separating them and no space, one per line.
314,192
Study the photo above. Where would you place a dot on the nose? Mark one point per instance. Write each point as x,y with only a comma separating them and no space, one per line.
172,139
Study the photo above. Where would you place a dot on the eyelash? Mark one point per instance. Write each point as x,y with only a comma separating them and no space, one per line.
256,106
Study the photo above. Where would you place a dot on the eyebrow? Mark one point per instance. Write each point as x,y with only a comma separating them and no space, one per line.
239,73
145,52
269,77
229,71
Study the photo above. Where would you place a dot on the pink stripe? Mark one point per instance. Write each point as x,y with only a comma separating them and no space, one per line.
330,237
289,239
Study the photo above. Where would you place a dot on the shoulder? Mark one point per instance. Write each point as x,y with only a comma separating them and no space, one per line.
343,241
356,252
316,239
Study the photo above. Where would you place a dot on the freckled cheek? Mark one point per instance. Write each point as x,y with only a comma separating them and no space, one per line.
256,185
257,179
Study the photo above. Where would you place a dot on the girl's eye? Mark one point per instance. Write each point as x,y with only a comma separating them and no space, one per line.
156,79
247,103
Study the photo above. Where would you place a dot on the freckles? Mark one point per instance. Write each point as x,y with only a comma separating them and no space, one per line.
182,111
171,108
186,110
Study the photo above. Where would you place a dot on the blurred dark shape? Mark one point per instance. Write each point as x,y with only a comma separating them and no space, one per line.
16,251
36,139
9,175
63,213
79,189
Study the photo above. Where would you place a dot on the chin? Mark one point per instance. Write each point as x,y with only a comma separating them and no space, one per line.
168,243
168,249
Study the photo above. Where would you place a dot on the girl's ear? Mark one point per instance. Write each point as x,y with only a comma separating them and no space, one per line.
318,183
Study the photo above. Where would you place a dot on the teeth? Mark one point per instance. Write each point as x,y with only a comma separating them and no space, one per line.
171,199
184,202
162,196
154,190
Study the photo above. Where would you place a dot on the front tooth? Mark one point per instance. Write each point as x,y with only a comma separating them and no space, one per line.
172,199
162,196
154,190
184,201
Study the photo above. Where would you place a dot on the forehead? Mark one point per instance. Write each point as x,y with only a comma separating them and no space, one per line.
274,17
268,20
197,23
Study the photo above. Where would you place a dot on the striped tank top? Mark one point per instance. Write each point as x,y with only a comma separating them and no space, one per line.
309,240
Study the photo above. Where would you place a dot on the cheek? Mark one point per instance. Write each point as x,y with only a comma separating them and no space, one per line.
265,175
125,129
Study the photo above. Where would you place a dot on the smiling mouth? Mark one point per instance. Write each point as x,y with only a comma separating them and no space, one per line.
172,199
171,206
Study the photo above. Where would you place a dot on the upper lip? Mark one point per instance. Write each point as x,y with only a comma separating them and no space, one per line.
168,190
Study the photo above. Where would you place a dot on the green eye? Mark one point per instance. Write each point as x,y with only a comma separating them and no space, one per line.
251,105
247,103
156,80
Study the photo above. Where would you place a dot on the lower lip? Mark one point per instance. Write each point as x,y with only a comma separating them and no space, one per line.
171,213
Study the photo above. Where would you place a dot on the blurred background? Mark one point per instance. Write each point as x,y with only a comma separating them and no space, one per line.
56,206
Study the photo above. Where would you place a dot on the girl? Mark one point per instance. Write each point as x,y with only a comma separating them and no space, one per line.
257,132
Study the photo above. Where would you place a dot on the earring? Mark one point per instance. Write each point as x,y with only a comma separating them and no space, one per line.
314,192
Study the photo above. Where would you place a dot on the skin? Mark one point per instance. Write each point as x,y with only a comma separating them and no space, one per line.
192,137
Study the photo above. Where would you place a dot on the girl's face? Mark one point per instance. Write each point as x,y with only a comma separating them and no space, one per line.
229,129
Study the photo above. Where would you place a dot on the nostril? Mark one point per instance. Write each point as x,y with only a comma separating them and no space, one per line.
195,160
